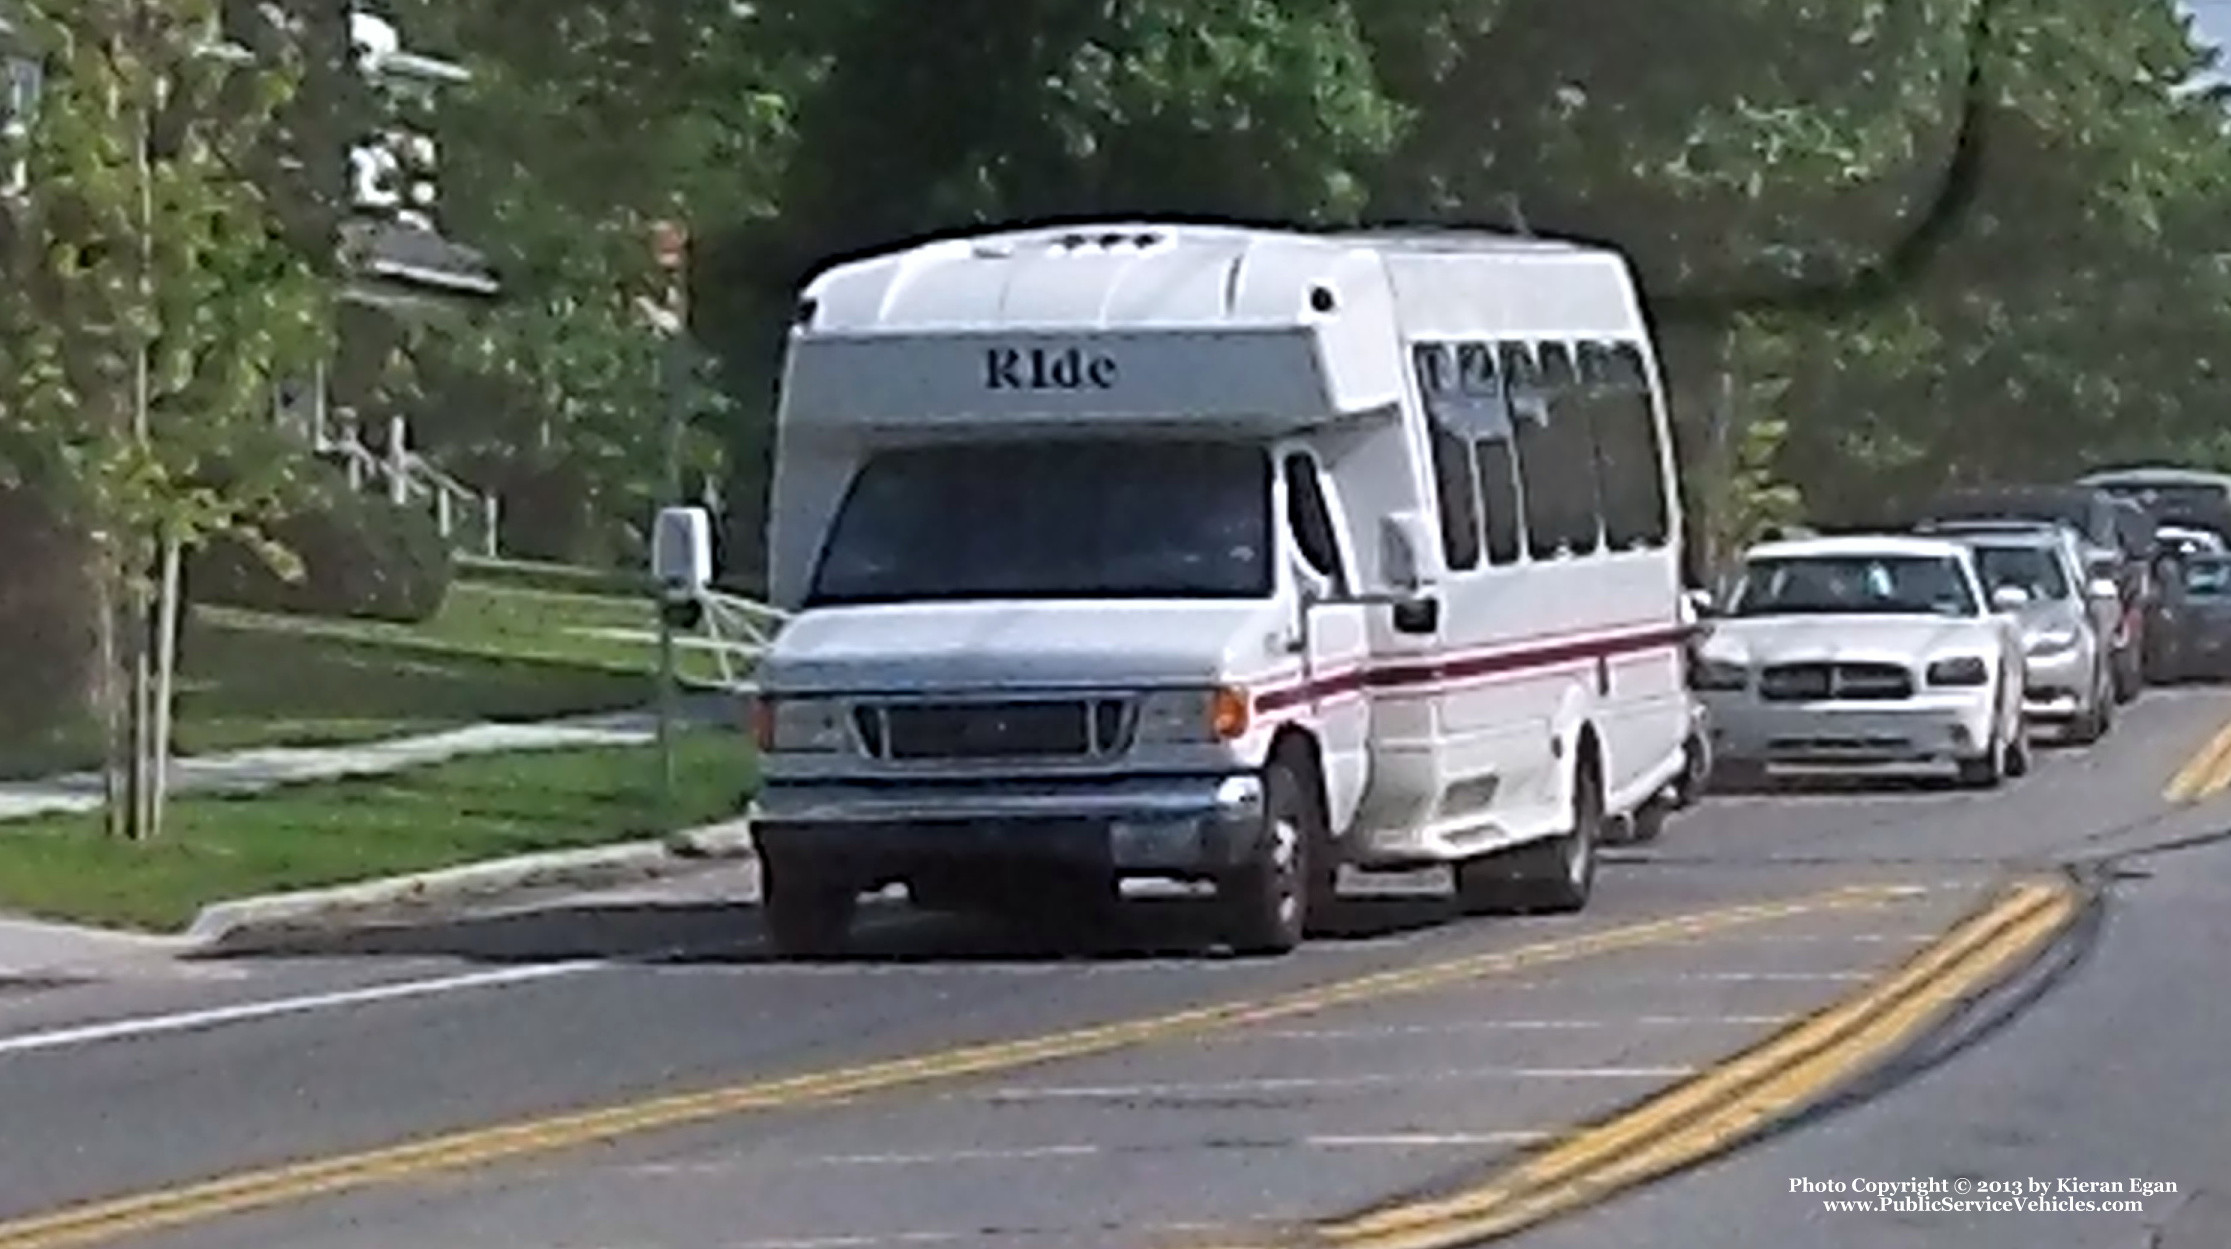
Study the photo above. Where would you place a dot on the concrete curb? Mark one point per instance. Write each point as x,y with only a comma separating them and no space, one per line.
223,923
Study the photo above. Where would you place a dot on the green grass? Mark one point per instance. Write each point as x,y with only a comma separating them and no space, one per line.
538,575
332,832
479,620
492,653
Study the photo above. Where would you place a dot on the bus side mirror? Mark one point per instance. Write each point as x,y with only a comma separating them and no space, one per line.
682,552
1418,615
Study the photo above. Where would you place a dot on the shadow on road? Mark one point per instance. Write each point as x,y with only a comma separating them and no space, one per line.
1864,782
888,931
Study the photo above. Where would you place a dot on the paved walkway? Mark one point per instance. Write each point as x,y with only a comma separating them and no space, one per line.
254,771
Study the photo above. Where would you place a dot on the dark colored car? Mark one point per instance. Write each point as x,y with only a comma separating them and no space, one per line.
2176,496
2202,632
2118,541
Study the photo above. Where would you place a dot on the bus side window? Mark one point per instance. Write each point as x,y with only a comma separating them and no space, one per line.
1500,499
1629,465
1455,490
1557,462
1500,518
1627,449
1309,514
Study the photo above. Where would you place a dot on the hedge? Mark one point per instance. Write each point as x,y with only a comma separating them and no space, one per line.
363,557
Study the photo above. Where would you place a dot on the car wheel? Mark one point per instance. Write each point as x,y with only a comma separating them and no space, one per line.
2126,679
1988,769
2090,722
2018,749
1648,823
1988,772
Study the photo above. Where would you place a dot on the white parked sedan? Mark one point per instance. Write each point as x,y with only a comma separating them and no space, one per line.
1865,650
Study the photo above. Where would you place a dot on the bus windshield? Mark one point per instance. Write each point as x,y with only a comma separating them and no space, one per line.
1067,519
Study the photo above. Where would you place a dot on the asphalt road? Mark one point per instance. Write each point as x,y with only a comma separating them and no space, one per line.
1414,1053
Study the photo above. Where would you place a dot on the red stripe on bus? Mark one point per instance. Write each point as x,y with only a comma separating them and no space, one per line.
1502,662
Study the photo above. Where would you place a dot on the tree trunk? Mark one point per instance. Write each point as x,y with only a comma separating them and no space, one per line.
167,609
108,695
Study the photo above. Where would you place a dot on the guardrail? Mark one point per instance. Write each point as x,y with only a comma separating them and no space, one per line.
735,631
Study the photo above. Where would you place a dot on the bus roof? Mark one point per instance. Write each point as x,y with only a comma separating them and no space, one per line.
1174,323
1152,274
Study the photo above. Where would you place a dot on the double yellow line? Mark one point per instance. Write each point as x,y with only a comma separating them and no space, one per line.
158,1210
2206,774
1705,1116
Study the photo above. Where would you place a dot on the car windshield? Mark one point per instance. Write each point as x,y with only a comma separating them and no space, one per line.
1052,520
2032,569
1808,585
2208,577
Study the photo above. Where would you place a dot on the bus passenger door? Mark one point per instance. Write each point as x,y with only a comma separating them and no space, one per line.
1337,634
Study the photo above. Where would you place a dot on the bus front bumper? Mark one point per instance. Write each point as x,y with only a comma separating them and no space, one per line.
1145,826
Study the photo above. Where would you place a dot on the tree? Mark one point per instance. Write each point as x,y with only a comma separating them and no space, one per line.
2079,314
154,304
1225,108
584,124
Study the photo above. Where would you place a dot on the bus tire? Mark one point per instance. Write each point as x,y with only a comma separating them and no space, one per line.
1265,902
1552,876
807,911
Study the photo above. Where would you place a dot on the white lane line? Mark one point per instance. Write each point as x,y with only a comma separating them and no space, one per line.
1404,1140
720,1168
1515,1025
274,1008
926,1158
978,1236
1272,1084
1840,938
1694,977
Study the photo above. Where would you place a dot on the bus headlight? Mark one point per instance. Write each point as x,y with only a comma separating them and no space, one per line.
801,726
1202,717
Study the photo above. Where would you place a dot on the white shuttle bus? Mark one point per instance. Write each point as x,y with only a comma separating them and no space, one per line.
1219,555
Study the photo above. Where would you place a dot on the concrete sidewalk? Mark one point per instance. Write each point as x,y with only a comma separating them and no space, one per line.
265,768
35,951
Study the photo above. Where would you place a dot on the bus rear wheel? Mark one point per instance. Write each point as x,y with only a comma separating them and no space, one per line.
1554,876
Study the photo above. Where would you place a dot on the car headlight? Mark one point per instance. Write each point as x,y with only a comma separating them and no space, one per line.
1964,670
801,726
1718,674
1193,717
2051,641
